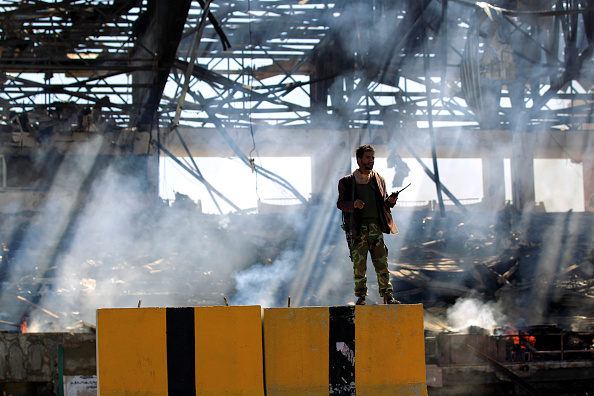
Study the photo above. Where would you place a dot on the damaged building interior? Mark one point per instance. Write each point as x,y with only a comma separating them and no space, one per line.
98,94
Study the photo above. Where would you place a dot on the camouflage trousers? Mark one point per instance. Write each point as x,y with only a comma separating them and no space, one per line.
371,240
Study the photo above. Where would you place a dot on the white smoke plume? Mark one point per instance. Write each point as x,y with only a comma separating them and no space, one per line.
471,311
262,284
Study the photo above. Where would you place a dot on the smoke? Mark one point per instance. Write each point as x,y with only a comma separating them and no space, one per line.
315,269
110,246
99,242
467,312
263,285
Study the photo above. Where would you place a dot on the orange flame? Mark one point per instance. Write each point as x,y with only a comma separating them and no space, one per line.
515,335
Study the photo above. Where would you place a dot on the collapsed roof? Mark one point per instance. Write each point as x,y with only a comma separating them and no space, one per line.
129,66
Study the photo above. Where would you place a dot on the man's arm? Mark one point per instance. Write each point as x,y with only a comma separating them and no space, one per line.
390,202
344,202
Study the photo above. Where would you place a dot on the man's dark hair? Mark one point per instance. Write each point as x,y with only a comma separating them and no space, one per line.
362,149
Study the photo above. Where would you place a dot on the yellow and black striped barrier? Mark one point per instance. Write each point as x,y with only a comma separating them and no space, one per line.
180,351
347,350
244,350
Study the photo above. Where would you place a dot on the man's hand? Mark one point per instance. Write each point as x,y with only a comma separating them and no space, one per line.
359,204
392,200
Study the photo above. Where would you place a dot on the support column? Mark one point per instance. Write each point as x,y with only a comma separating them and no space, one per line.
160,30
493,182
152,169
522,170
588,176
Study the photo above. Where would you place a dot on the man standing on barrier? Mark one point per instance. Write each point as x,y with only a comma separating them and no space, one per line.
366,209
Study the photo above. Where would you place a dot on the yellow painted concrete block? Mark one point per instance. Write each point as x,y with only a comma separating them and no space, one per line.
390,350
373,350
296,351
364,350
131,352
180,351
229,351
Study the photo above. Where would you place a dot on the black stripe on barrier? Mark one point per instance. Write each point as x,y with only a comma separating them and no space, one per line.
181,358
342,351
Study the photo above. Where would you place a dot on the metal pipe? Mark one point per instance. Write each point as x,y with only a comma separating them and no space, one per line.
200,178
198,170
430,121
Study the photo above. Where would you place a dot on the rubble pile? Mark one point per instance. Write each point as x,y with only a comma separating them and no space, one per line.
538,267
171,256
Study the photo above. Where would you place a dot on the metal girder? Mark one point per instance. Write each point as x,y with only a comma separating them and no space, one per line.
85,66
381,69
288,63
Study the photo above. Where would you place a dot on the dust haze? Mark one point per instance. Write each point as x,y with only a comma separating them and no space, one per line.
100,241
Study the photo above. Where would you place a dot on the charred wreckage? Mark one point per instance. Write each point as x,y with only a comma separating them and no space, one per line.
100,91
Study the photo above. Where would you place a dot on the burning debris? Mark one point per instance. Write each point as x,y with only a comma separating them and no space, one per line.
533,269
483,271
501,291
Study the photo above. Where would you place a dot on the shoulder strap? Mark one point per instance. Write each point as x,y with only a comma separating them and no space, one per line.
352,216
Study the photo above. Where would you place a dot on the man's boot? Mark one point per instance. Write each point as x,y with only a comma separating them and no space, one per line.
361,301
388,299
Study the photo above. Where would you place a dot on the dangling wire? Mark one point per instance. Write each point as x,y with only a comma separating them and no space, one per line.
251,81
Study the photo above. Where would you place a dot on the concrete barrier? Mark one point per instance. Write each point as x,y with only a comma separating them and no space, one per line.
229,353
180,351
132,351
390,350
244,350
363,350
296,350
